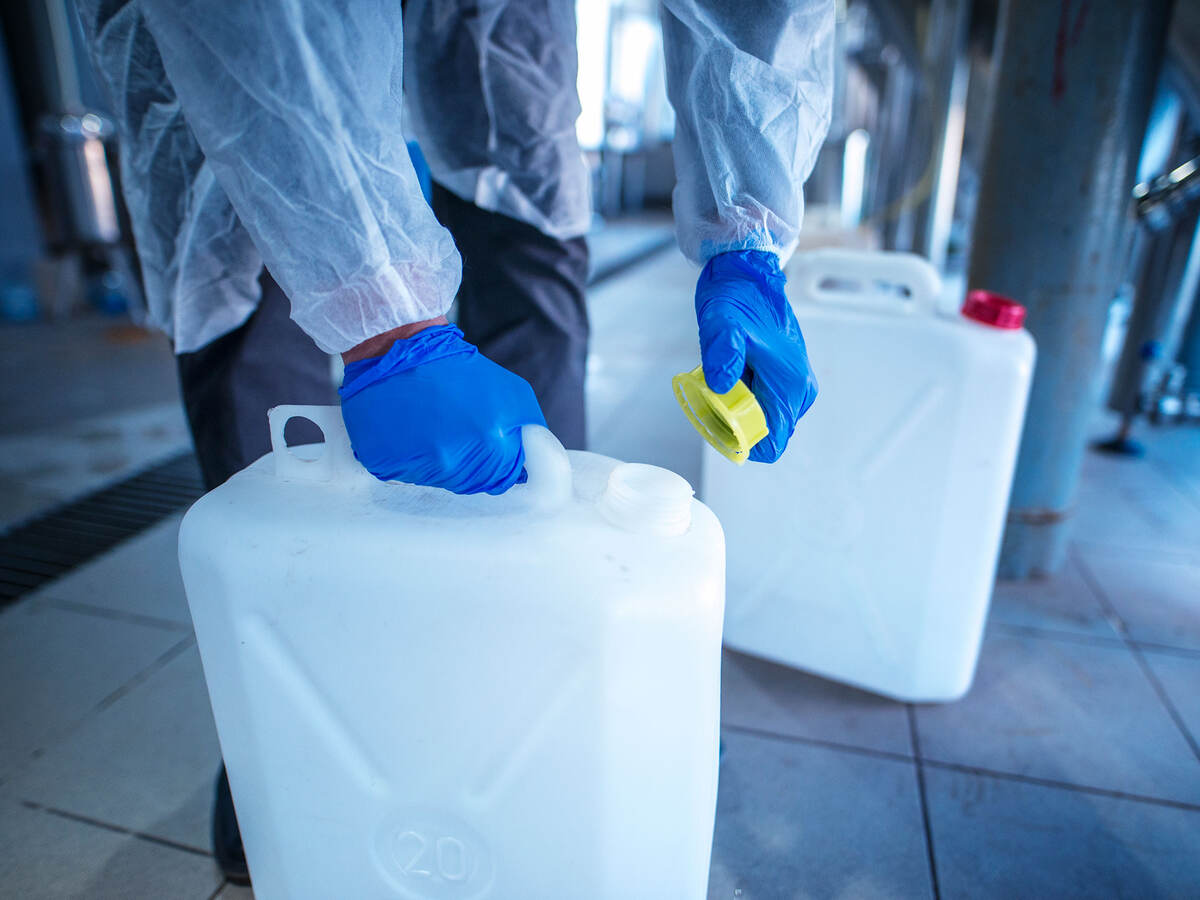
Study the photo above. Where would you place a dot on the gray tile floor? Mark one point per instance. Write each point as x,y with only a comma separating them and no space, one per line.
1072,769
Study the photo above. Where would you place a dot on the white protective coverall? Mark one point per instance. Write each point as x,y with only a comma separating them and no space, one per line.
269,132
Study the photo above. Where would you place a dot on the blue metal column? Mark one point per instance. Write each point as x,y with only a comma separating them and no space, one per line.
1161,304
1073,88
1189,350
20,228
947,70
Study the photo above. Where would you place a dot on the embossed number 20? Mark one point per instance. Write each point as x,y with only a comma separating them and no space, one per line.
419,856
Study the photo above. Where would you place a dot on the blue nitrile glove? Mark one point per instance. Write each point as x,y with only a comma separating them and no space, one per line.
748,329
435,411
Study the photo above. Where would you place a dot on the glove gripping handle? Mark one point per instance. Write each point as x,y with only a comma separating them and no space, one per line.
546,462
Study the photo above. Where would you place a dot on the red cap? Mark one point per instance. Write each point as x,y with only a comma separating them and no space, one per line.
993,309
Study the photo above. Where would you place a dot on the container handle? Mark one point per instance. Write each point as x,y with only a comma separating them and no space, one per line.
547,466
335,462
853,277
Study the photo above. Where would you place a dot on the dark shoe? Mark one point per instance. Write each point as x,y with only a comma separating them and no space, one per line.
227,837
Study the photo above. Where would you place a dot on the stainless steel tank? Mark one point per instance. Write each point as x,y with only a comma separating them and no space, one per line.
80,189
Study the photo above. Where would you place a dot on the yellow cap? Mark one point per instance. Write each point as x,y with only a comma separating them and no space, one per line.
732,422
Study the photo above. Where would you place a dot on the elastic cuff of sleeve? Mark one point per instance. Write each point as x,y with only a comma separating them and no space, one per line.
710,249
386,298
766,244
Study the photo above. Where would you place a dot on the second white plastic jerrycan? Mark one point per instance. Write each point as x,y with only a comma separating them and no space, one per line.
867,553
426,695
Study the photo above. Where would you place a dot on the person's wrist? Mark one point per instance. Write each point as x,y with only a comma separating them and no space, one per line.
381,343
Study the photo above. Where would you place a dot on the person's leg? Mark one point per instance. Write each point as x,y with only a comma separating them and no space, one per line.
522,303
226,835
227,387
490,92
229,384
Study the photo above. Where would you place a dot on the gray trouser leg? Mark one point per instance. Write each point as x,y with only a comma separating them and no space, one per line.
229,384
522,304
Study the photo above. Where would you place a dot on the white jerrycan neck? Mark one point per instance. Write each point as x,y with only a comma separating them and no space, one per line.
638,498
894,283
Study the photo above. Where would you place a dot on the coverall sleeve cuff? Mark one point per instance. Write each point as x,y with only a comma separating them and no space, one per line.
710,248
386,299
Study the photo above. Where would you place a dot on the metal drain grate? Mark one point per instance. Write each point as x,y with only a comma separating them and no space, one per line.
55,543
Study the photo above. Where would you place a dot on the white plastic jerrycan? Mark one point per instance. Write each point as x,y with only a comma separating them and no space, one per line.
867,553
440,697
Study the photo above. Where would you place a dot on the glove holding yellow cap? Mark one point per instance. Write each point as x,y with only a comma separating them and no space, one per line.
748,332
